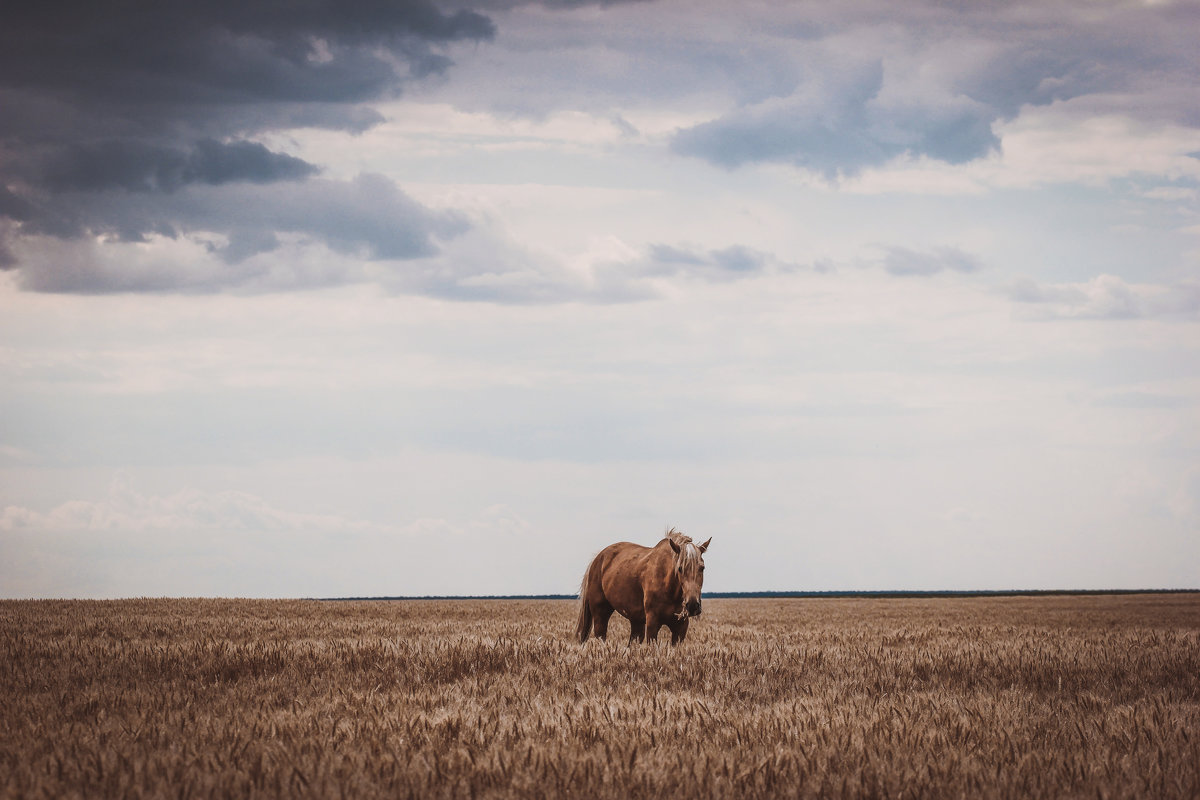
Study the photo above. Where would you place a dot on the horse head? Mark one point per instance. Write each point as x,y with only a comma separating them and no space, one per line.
689,571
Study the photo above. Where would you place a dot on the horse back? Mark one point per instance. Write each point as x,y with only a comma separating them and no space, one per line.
619,576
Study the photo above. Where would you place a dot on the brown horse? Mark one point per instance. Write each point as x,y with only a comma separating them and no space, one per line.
649,586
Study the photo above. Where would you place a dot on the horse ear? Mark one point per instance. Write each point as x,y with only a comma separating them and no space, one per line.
704,547
674,546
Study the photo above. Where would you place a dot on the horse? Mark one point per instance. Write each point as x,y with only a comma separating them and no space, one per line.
649,586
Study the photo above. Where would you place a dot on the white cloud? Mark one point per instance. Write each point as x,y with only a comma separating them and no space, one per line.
188,512
1058,144
1107,297
1171,193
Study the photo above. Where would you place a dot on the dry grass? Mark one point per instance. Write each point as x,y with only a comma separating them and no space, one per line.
1014,697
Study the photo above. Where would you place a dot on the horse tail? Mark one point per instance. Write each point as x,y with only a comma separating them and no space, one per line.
583,626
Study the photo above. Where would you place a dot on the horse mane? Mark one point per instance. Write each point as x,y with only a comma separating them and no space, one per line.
687,555
678,537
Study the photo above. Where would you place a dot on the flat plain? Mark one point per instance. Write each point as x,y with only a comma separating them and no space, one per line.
1060,696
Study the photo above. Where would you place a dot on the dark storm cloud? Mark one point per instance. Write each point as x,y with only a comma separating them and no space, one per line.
145,52
141,167
75,70
104,103
8,259
368,219
558,5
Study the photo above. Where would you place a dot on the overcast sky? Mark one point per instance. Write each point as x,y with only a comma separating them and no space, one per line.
360,298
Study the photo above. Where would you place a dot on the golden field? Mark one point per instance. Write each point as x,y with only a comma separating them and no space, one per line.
1095,696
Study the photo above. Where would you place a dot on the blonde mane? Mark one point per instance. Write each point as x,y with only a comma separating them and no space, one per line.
678,537
689,553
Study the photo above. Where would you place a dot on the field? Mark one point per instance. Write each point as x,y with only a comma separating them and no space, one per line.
984,697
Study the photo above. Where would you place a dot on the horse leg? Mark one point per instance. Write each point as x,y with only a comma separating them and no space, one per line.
653,623
637,630
600,615
678,631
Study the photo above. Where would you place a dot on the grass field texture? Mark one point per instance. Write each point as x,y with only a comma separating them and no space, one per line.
979,697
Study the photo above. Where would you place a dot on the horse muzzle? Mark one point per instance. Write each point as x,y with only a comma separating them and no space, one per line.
693,608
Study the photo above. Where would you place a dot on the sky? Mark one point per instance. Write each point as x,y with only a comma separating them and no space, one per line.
403,298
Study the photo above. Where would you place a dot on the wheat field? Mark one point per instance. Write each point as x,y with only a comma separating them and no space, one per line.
1093,696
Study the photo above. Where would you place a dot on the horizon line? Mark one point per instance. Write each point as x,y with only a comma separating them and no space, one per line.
785,594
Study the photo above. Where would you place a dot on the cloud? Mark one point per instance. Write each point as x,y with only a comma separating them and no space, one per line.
903,262
1143,400
236,543
872,93
719,264
186,511
1107,297
253,237
841,125
486,266
152,54
558,5
140,167
125,124
73,72
211,237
